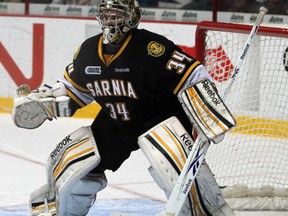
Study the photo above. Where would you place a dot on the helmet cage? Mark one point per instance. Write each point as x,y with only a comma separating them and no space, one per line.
116,17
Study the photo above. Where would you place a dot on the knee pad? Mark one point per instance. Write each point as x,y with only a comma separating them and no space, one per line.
68,170
74,200
165,152
77,199
74,157
167,146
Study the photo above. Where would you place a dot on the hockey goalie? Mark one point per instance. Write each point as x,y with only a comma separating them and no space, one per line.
152,96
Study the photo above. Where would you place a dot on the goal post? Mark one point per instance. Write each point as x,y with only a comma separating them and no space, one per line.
250,164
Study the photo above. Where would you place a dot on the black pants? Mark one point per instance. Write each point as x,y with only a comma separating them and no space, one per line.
114,145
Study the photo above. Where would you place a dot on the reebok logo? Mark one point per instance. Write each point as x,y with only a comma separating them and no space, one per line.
211,93
60,146
186,140
245,52
122,70
187,186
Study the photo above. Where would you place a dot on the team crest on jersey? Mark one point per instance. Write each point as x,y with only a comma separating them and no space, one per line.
93,70
155,49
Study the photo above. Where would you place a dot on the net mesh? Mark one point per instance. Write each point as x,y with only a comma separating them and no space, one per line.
253,155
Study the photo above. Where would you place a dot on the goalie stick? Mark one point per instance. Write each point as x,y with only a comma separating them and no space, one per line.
200,147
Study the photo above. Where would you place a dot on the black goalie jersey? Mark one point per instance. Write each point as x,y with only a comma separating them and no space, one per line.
136,87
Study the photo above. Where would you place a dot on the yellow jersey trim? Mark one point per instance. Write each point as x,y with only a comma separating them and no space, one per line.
80,88
186,75
100,50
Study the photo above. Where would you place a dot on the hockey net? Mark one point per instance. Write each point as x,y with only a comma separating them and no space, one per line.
250,164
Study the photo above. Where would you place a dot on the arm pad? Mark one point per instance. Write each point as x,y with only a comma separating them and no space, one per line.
206,110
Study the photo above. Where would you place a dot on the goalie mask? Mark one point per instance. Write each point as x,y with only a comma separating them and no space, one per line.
116,17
